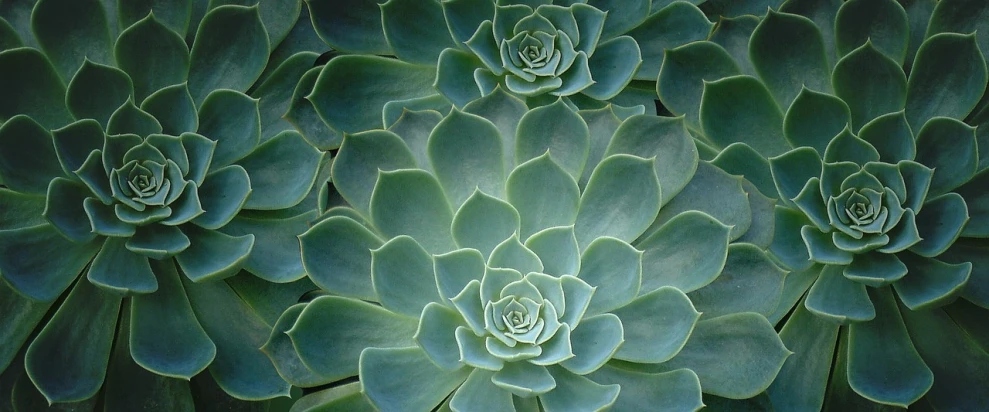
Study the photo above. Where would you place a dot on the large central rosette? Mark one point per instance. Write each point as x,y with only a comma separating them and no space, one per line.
519,258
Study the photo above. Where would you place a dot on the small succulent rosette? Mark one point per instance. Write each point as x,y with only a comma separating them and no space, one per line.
453,52
131,194
880,187
500,258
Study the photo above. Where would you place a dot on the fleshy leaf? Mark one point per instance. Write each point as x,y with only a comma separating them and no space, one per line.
612,66
39,263
152,55
667,141
70,32
411,202
657,325
402,276
891,136
793,169
455,76
231,119
121,270
28,161
685,68
358,31
933,91
883,23
544,194
282,171
802,382
511,253
455,270
930,283
557,250
940,224
733,33
757,357
282,353
437,337
667,28
64,210
483,222
213,255
814,118
871,83
742,160
786,67
621,200
677,390
846,147
741,109
276,255
414,383
174,109
230,51
32,88
875,269
77,338
130,119
222,195
839,299
750,282
715,193
555,129
165,336
96,91
415,30
337,255
883,365
615,269
465,151
949,147
505,111
573,392
687,252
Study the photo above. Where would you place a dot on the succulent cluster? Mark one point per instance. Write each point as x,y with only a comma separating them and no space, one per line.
859,129
470,205
505,277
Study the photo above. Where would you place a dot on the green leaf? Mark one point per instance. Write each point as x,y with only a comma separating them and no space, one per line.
303,116
614,268
667,141
822,13
213,255
574,392
623,16
71,31
556,129
283,355
436,335
741,160
792,170
940,224
401,379
74,144
733,34
794,286
275,185
172,106
223,195
657,325
557,250
677,390
814,118
595,342
687,252
839,299
479,392
577,295
612,66
173,14
669,28
875,269
346,397
361,156
740,109
505,111
883,365
463,17
39,263
414,127
402,276
122,271
465,151
157,241
337,255
684,71
787,67
544,194
239,368
351,324
32,87
20,210
885,23
411,202
891,136
277,90
933,90
846,147
276,256
715,193
512,254
610,206
229,37
602,124
165,336
757,358
152,55
801,383
23,316
455,270
416,30
371,80
129,119
956,360
949,147
930,283
358,30
96,91
750,282
28,161
231,119
455,76
78,339
871,83
483,222
64,210
917,179
978,206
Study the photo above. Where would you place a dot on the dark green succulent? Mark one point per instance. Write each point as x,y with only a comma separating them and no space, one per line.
139,176
861,123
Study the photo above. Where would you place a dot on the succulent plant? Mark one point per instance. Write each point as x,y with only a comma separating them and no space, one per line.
453,52
140,186
859,125
518,258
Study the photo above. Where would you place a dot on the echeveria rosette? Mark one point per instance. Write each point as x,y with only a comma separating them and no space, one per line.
880,187
519,257
137,176
453,52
